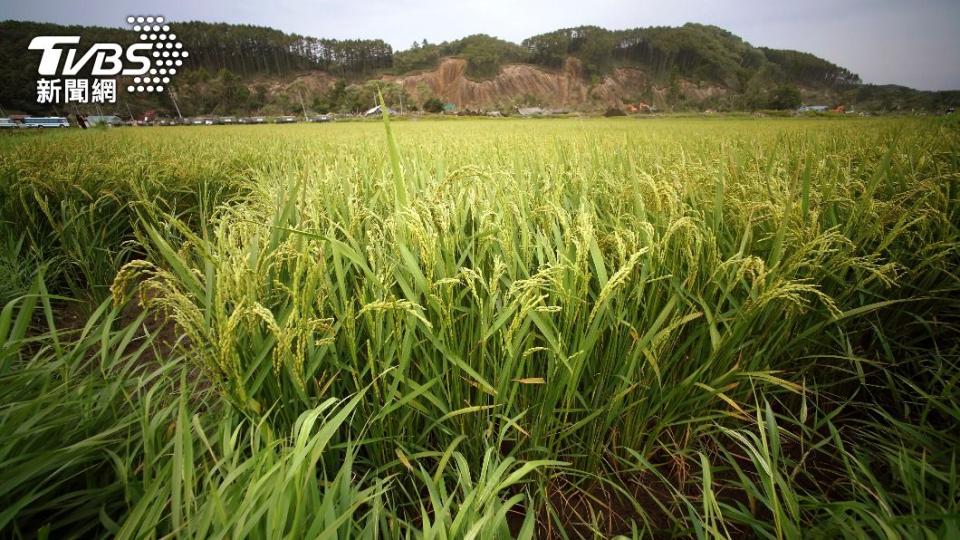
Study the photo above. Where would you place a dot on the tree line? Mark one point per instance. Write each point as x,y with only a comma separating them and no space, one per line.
246,50
695,51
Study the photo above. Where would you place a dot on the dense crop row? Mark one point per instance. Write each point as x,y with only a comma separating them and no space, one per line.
482,329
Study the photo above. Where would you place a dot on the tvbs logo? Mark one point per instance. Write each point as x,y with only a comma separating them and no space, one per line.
151,63
107,57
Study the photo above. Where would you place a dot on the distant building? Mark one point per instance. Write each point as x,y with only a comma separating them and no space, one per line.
377,110
813,108
641,107
530,111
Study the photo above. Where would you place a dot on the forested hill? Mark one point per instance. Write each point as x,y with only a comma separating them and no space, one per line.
229,64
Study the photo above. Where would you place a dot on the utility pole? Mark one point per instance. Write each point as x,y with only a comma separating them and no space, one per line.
174,99
302,106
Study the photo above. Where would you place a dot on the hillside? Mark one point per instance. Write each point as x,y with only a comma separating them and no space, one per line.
240,69
566,88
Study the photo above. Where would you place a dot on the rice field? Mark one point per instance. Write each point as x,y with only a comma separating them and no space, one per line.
579,328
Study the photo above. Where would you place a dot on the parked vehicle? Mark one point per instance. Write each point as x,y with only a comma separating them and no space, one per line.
46,122
6,123
107,120
286,120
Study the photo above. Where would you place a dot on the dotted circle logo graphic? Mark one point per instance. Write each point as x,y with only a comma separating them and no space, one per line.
167,54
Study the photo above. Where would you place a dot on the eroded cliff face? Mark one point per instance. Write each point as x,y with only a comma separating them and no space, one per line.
449,83
566,88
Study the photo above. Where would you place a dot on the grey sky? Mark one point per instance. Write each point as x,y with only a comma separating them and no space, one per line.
910,42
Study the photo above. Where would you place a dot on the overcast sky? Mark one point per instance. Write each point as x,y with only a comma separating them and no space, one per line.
910,42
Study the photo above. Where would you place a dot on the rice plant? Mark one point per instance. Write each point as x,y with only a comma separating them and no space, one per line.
483,329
